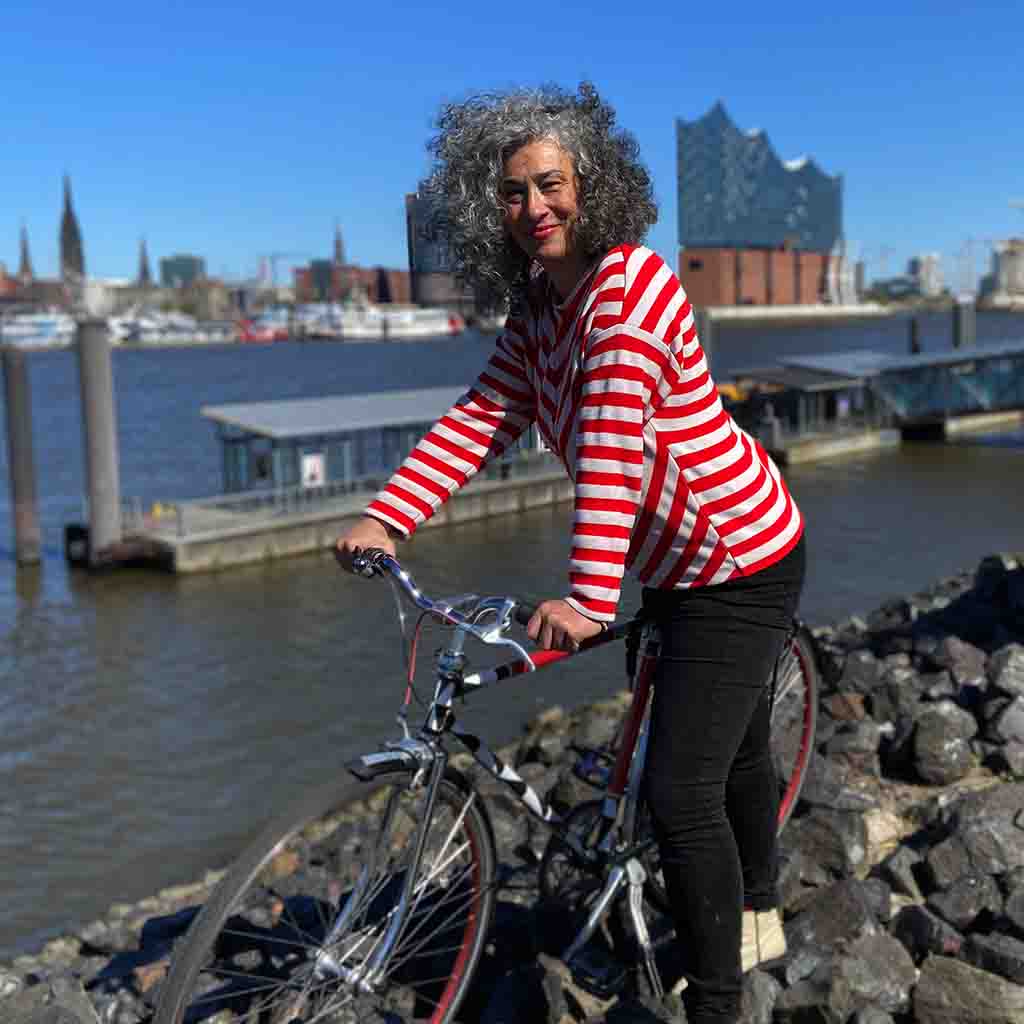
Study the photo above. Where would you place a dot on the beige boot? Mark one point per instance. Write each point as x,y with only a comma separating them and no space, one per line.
763,938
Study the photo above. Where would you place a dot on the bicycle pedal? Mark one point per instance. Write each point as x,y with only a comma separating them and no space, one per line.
599,973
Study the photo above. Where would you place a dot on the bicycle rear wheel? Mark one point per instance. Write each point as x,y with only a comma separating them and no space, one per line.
286,933
794,719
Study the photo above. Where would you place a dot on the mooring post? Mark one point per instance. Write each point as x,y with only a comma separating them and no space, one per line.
99,424
20,458
915,336
964,330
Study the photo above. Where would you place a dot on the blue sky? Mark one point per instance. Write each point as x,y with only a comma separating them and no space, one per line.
236,130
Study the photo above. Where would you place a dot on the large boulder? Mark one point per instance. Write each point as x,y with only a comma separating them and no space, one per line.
951,992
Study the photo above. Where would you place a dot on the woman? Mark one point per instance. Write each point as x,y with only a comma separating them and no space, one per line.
545,204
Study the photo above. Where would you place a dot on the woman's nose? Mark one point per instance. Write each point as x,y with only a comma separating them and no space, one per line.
535,205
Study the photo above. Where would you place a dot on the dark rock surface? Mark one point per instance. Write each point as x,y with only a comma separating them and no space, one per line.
902,872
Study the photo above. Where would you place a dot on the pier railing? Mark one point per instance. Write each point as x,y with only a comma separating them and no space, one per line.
337,497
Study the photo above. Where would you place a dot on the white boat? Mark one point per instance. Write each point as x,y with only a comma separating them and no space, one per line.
376,322
37,330
153,327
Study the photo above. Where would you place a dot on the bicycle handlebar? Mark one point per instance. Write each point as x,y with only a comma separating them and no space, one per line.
370,562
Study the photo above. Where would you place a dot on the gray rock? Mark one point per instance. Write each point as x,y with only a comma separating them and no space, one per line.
892,614
1006,670
843,911
10,983
870,1015
994,844
826,787
61,1001
994,802
1008,759
966,900
875,971
1008,725
939,685
861,672
951,992
941,752
855,746
1013,908
835,841
922,933
760,992
966,663
945,862
899,870
804,1003
997,954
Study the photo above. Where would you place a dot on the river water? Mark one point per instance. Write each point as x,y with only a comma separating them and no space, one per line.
148,722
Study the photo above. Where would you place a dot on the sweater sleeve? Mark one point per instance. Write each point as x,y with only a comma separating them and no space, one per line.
488,418
620,374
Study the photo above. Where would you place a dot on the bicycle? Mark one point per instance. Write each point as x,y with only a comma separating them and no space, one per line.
370,899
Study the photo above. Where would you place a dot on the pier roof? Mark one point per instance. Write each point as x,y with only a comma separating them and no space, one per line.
869,363
335,414
799,378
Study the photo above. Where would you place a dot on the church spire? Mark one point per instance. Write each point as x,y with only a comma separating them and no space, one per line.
72,259
339,247
145,279
25,273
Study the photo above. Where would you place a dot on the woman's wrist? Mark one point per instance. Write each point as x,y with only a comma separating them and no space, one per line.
389,530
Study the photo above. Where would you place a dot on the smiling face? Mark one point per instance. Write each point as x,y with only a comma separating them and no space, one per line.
538,191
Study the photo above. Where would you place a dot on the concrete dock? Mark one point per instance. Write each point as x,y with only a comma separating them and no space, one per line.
207,536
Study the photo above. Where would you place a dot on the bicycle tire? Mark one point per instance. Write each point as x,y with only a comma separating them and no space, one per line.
793,724
794,720
252,952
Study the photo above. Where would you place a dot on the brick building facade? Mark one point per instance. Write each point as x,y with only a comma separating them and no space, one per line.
759,277
331,282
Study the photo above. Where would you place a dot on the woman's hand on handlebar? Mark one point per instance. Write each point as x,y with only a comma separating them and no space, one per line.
557,626
366,533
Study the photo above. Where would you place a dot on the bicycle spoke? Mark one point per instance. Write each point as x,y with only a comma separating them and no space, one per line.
303,939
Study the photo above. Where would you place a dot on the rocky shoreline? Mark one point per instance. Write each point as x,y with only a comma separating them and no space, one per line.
902,874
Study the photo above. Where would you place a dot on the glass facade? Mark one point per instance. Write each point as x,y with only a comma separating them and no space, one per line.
428,249
734,191
181,270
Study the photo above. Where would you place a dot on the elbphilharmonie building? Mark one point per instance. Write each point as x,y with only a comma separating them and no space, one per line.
753,228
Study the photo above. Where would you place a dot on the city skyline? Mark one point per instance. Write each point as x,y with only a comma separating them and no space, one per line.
174,128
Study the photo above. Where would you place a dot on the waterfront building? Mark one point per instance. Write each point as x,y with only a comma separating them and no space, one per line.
339,247
72,255
1004,287
8,286
926,270
326,281
349,442
753,229
145,278
181,269
432,280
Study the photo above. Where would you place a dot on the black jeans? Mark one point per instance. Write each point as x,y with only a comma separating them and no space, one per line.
709,780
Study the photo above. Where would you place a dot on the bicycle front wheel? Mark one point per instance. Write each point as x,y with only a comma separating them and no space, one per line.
295,932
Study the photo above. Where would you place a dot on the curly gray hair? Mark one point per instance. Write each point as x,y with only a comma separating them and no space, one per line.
614,192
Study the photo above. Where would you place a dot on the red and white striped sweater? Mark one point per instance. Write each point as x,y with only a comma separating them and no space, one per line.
666,483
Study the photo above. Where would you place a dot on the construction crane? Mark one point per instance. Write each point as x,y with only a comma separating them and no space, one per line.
273,258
